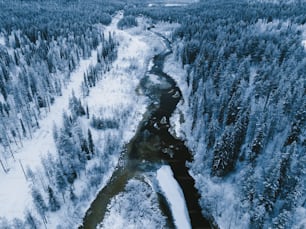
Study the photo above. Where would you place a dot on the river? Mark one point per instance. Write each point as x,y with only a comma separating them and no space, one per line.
151,145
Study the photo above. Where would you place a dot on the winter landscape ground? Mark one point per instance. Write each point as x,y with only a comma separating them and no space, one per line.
152,114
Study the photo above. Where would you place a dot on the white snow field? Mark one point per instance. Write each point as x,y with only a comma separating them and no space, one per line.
175,197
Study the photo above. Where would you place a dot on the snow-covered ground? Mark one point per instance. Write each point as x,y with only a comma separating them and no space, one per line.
172,3
114,94
2,41
304,43
136,207
175,197
173,68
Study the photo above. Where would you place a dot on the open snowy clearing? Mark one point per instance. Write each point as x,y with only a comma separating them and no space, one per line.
175,197
115,93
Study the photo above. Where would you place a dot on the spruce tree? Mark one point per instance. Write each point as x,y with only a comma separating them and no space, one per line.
53,202
90,142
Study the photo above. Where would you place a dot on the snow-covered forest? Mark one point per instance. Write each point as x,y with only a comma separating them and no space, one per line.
71,101
67,108
244,108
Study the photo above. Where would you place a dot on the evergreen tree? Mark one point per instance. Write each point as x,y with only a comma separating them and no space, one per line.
18,223
90,143
85,149
39,203
61,182
31,221
53,202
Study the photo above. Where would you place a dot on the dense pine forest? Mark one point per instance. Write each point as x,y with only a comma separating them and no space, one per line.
42,44
243,113
245,108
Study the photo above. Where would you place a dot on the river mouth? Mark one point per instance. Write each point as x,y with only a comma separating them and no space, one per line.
151,147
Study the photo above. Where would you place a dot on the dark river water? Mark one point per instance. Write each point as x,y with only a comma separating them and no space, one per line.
152,145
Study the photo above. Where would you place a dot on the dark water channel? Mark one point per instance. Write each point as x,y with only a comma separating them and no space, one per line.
151,146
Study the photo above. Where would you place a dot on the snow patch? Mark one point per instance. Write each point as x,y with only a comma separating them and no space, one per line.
274,27
175,4
2,100
150,65
300,217
304,44
177,120
175,197
222,199
158,81
2,41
